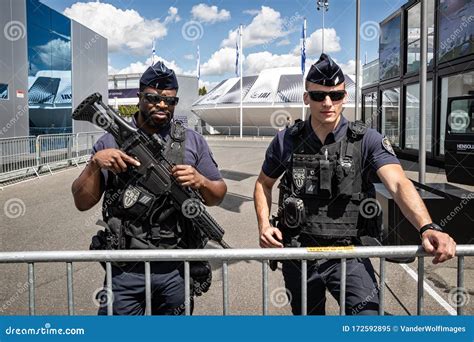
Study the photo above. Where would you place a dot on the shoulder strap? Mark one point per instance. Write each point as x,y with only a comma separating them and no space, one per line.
175,145
178,131
356,129
296,128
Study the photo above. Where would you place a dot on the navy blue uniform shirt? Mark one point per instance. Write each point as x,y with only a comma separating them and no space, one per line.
196,154
374,155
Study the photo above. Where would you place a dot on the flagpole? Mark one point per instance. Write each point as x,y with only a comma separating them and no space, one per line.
153,53
303,67
241,76
198,65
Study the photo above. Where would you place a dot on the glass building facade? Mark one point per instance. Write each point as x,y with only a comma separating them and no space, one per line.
390,102
49,70
3,91
389,51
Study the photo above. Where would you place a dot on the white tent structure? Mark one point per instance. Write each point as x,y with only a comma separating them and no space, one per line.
269,100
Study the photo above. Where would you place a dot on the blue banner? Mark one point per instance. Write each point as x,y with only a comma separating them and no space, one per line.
237,328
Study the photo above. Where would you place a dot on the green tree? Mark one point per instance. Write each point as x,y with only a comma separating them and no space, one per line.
127,110
202,91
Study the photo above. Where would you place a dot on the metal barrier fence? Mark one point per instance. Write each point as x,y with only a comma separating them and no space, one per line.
17,154
247,130
23,154
224,256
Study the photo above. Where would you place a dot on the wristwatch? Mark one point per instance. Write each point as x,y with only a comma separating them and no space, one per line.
431,225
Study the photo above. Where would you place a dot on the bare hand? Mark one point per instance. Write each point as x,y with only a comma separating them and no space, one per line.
270,237
187,175
439,244
114,160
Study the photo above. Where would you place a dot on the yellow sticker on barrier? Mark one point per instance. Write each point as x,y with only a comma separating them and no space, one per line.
330,249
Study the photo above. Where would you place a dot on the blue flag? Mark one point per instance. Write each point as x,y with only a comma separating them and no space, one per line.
237,71
303,46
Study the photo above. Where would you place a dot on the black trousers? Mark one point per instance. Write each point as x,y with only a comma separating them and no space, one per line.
128,289
361,286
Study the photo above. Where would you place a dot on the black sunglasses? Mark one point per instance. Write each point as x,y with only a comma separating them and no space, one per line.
319,96
156,98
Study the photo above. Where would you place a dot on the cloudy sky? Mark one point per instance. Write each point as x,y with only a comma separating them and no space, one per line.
272,31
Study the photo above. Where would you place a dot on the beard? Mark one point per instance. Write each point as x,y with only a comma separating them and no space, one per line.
151,122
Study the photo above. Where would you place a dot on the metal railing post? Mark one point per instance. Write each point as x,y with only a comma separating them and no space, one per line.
31,288
342,293
70,289
382,287
420,292
187,289
225,289
304,287
147,288
460,290
109,291
265,287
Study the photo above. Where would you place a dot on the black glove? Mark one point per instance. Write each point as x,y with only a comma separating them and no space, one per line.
201,275
98,241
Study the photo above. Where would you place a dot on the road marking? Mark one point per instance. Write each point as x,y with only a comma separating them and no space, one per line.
430,291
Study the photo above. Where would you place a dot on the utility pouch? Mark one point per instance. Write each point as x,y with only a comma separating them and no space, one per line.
345,177
325,177
293,212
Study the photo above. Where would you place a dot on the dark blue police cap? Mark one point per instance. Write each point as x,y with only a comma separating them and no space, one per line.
325,72
160,77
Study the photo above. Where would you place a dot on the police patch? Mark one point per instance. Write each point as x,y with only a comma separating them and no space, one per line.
299,175
388,146
130,196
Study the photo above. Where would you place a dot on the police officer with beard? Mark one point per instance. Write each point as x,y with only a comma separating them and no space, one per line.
329,166
136,219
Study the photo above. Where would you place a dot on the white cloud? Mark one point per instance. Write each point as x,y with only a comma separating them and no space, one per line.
256,62
209,14
189,57
314,43
139,67
349,67
251,12
125,29
283,42
42,56
208,84
221,61
265,27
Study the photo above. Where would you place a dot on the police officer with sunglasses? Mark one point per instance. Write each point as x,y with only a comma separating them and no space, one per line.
134,218
329,166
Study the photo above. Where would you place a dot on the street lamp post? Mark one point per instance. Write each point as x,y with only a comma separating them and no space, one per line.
322,5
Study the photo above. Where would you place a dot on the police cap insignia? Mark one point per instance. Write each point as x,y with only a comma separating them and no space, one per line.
158,76
325,72
388,146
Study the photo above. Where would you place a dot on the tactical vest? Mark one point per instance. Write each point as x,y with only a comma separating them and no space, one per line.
146,220
329,182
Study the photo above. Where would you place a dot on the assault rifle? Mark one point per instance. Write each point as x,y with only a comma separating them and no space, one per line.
154,172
